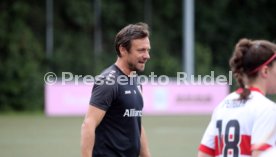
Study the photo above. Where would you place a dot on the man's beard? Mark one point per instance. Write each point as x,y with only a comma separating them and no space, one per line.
132,67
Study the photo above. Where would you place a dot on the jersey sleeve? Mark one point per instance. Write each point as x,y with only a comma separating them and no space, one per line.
103,94
264,133
207,144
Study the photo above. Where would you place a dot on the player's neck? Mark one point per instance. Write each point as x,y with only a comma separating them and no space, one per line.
258,83
259,87
122,66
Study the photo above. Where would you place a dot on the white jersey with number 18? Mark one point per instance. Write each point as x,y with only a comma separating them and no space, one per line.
238,126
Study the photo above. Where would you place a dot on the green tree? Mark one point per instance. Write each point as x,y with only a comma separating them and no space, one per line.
21,58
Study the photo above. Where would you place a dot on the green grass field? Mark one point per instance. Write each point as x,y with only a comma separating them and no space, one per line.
40,136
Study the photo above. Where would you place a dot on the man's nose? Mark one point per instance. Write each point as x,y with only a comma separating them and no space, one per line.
147,55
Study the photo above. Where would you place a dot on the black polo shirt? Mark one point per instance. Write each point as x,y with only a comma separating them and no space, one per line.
118,134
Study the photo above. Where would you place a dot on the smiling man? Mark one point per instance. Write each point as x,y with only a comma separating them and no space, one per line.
112,126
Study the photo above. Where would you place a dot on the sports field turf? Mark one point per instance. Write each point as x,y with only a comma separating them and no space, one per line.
40,136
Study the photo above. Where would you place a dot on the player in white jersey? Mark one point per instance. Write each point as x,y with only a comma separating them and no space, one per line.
241,123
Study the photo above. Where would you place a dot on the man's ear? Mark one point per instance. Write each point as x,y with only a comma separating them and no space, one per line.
123,50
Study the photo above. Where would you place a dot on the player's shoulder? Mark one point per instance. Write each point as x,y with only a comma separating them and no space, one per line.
229,99
111,71
261,105
226,101
258,98
107,77
255,98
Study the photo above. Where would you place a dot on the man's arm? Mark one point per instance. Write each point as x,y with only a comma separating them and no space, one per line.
144,151
92,119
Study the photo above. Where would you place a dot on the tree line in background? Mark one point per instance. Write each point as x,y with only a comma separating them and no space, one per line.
23,62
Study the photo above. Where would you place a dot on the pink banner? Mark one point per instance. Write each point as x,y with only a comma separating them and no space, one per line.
73,100
183,99
67,100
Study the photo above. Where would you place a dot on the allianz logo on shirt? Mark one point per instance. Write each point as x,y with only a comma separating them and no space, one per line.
133,113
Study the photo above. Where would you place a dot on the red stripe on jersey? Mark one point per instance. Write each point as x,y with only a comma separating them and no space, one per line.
244,146
261,147
239,91
207,150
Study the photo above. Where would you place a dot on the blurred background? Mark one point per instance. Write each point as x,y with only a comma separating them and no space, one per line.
77,36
